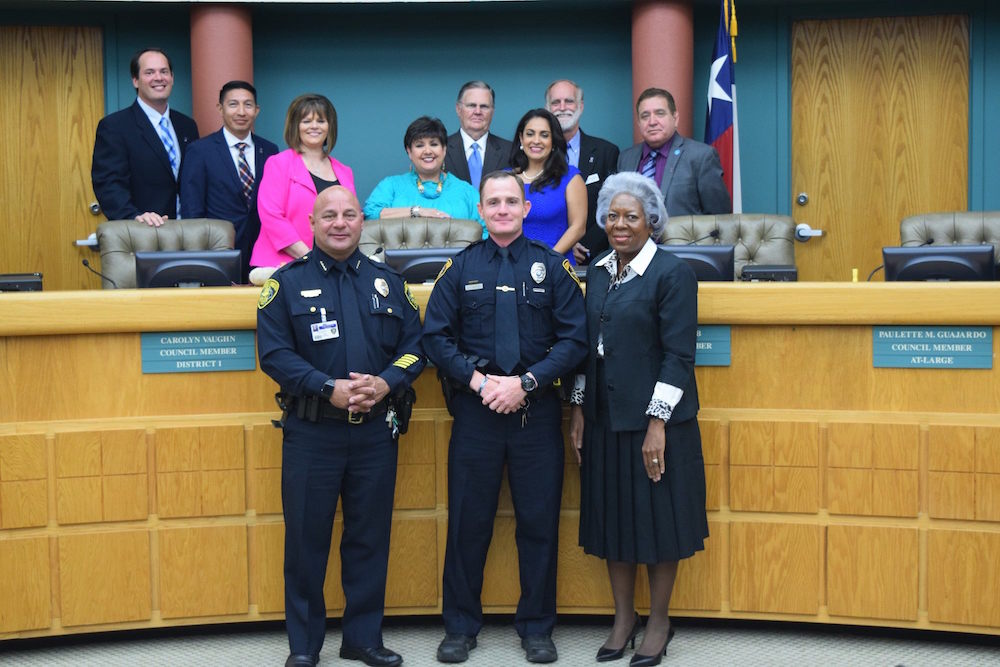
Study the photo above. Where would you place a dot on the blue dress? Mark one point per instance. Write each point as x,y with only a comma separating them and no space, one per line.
458,198
548,218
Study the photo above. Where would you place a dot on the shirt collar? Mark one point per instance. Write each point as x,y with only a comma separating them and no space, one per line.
662,150
574,143
232,139
151,113
639,263
515,246
326,263
467,141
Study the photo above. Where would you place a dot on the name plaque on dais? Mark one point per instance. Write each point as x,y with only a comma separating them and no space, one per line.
932,347
198,351
713,347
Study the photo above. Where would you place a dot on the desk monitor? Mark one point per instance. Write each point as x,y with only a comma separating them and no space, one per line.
419,265
20,282
945,262
710,262
187,268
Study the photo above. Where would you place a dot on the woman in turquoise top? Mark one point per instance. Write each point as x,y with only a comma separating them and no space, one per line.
426,191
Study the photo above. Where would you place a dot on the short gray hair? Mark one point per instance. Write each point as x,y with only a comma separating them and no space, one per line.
644,189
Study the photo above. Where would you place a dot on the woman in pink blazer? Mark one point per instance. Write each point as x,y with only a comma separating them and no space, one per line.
294,177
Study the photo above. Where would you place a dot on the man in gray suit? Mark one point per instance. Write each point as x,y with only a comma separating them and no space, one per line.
688,172
473,150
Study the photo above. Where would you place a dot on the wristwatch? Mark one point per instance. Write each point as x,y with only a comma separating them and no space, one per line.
414,211
528,383
327,390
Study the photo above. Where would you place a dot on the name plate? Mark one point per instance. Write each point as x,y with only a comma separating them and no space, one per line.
713,345
198,351
932,347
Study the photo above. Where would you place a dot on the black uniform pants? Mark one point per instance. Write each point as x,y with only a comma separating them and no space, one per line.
481,443
321,462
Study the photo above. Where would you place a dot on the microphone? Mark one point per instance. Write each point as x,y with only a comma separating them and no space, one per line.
929,241
86,263
714,234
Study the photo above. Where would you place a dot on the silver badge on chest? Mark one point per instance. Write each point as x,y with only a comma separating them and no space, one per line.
382,287
538,272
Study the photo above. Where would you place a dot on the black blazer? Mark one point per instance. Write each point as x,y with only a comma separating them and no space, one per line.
597,158
211,188
130,171
497,156
692,182
650,329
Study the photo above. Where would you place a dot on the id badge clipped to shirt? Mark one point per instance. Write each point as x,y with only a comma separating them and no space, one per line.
325,330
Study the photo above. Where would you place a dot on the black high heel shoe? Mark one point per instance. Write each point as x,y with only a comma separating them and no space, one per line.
640,660
605,654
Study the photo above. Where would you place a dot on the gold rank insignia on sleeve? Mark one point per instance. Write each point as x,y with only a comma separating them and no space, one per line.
267,293
406,361
409,296
447,265
571,272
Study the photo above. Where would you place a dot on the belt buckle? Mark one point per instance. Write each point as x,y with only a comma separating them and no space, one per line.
355,417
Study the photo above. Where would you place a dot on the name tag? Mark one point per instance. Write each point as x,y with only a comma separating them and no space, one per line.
473,286
540,290
325,330
311,293
593,178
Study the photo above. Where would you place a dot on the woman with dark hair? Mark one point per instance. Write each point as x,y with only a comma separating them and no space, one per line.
292,179
426,191
634,420
555,189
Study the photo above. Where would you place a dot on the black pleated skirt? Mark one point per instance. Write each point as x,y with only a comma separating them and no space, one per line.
625,516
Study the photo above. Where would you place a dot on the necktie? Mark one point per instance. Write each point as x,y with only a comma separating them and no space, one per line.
475,166
168,144
246,178
354,332
506,336
649,166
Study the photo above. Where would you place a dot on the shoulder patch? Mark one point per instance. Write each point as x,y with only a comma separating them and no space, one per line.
267,293
409,296
572,274
444,269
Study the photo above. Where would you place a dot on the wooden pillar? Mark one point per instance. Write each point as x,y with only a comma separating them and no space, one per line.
221,51
663,54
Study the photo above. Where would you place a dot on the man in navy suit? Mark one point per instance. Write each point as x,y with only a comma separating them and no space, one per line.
221,173
138,150
473,151
594,157
688,172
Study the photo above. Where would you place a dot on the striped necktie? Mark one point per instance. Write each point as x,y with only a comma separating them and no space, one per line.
246,178
649,166
168,144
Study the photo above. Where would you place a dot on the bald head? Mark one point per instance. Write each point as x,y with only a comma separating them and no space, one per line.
336,222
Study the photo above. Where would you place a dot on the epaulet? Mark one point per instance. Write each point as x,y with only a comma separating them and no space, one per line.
382,266
544,246
295,262
475,243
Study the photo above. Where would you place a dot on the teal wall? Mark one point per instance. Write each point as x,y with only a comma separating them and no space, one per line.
384,65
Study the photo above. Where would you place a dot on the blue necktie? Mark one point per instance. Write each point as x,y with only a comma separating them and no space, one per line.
506,335
475,166
649,166
350,314
168,144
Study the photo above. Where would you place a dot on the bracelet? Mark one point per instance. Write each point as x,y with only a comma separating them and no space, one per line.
481,385
414,211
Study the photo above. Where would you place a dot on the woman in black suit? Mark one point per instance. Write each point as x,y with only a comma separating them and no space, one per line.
633,421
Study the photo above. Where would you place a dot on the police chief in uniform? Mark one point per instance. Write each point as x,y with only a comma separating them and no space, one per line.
341,335
504,321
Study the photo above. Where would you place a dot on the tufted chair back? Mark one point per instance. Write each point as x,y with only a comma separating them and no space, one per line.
758,238
954,228
418,233
119,240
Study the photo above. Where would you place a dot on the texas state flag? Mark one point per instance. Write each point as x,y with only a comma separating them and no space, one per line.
721,127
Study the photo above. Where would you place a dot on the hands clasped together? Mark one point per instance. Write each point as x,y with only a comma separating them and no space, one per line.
359,393
502,394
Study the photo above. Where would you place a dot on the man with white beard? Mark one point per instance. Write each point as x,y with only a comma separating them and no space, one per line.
594,157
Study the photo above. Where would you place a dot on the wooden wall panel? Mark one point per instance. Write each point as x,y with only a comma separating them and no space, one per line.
872,469
963,577
774,466
264,447
267,575
765,558
200,471
699,581
25,596
862,93
582,580
105,578
203,571
101,476
51,97
23,481
873,572
412,580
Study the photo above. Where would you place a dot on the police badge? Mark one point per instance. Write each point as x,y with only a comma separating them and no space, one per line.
538,272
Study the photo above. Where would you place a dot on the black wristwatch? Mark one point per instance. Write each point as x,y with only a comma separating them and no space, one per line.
528,383
327,390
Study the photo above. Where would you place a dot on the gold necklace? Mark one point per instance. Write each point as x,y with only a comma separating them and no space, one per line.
440,183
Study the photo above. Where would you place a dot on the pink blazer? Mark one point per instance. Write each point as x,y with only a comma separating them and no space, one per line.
284,202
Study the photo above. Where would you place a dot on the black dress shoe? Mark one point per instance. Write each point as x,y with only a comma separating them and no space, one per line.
605,654
455,648
539,648
301,660
640,660
375,657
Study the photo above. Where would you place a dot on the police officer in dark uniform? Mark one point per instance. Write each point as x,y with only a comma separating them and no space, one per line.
341,335
505,320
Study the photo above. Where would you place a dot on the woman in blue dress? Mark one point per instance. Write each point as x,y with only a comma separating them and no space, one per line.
555,189
426,191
